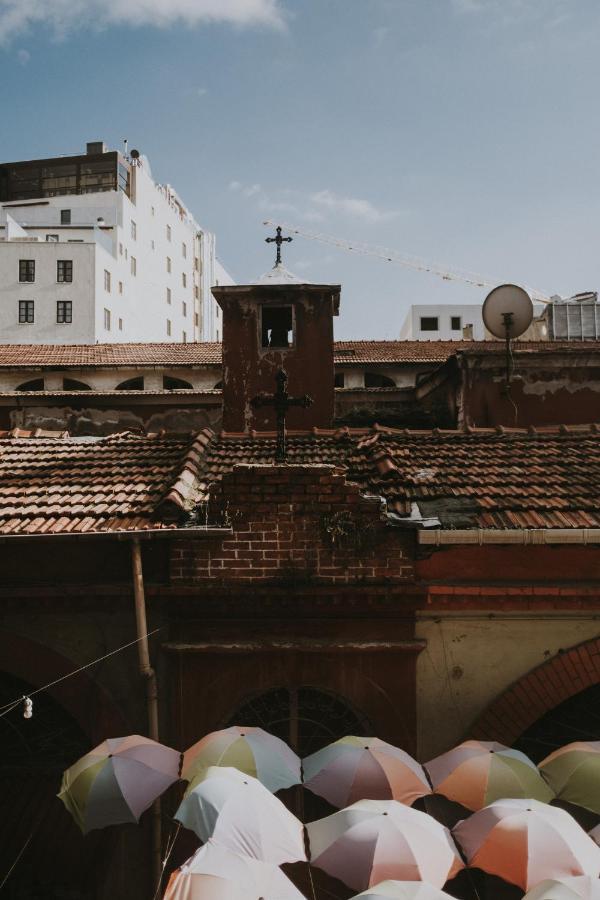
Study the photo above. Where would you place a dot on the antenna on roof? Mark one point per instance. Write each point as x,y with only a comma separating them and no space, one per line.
507,314
125,147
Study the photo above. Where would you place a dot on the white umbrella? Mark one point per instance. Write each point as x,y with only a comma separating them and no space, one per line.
215,873
581,887
403,890
238,812
376,840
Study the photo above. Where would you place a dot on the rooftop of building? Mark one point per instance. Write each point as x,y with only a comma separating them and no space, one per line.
500,478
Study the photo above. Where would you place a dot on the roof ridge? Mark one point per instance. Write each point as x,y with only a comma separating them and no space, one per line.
175,500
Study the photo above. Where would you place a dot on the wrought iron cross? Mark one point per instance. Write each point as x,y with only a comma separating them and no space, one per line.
281,402
279,241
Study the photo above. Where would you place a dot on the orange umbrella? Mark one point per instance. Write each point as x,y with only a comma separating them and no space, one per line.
525,842
476,773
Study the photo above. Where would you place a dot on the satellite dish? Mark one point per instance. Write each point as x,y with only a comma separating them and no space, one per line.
135,154
507,311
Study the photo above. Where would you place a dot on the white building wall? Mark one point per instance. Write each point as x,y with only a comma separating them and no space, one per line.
469,314
137,241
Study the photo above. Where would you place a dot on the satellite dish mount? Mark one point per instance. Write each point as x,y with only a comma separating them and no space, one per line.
507,314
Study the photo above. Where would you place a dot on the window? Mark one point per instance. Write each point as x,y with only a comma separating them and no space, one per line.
152,208
184,279
71,384
184,251
168,263
64,312
429,323
455,323
184,337
120,287
132,384
169,296
196,292
120,324
169,327
64,270
218,334
52,239
27,270
170,383
152,244
37,384
196,264
133,265
133,230
196,320
120,249
65,217
25,312
184,308
168,232
75,240
125,252
107,280
277,326
107,319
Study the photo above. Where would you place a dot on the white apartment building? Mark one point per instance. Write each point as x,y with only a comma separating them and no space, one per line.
442,322
92,250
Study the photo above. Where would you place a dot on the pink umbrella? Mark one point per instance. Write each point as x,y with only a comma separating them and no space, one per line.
377,840
359,768
525,842
215,873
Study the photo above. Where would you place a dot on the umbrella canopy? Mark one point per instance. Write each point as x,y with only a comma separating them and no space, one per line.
525,842
403,890
238,812
358,768
375,840
477,773
573,772
215,873
595,834
117,781
580,888
251,750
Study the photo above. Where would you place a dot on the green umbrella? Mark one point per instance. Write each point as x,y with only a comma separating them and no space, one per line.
573,772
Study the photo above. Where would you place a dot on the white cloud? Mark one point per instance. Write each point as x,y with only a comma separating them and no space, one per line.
513,12
201,91
63,16
352,206
235,185
23,56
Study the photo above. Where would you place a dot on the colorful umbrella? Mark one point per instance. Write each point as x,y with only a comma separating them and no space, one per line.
573,772
251,750
477,773
580,888
238,812
117,781
525,842
215,873
403,890
358,768
375,840
595,834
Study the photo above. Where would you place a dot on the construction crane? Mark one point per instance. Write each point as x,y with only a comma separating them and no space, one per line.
409,262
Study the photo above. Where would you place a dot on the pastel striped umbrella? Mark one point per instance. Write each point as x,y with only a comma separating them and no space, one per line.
215,873
403,890
251,750
359,768
236,811
525,842
573,772
376,840
476,773
581,887
117,781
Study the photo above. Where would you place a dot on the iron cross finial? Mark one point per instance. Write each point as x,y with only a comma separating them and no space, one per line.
281,402
279,241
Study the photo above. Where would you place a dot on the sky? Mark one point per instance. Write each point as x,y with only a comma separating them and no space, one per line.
465,133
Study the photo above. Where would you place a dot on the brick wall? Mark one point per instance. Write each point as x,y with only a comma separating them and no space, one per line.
296,523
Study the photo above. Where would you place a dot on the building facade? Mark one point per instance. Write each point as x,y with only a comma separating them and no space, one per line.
442,322
93,250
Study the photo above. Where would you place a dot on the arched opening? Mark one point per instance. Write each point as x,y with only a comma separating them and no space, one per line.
132,384
576,719
51,857
36,384
71,384
376,380
218,386
170,383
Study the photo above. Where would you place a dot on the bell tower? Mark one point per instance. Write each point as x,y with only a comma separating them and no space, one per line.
277,323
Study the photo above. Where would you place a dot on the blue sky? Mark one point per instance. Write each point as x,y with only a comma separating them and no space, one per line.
464,132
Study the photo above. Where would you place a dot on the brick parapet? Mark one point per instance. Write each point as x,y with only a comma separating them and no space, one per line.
296,522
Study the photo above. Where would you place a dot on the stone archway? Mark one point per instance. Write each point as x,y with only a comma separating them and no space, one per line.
539,691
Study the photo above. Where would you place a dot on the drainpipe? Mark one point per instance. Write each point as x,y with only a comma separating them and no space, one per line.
149,674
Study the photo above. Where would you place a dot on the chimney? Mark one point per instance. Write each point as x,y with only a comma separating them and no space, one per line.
94,148
277,323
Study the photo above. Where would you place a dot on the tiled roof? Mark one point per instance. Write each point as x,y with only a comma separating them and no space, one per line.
52,483
481,478
486,478
173,355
